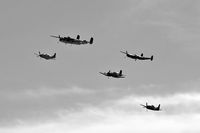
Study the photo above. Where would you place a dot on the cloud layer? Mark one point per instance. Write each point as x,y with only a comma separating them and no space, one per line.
43,104
180,114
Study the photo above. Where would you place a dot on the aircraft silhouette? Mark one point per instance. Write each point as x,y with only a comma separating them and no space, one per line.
46,56
76,41
136,57
113,74
151,107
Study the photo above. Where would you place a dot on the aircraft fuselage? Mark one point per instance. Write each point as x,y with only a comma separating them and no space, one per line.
151,107
47,57
73,41
136,57
113,74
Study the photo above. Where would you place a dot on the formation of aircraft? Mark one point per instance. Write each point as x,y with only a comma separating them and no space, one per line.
46,56
136,57
76,41
151,107
113,74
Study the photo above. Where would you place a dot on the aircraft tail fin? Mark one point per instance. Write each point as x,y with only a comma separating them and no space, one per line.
54,56
78,37
120,72
91,40
158,107
151,57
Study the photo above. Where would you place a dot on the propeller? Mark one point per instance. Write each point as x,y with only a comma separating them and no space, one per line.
123,52
55,36
37,54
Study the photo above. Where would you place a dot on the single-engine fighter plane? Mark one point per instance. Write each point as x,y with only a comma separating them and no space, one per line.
151,107
76,41
136,57
46,56
113,74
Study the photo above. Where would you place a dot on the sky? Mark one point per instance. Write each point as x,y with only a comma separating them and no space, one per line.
69,95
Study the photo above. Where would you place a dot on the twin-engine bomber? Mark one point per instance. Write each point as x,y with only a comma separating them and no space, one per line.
136,57
75,41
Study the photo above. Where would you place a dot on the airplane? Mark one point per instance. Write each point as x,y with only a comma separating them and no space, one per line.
113,74
76,41
151,107
46,56
141,57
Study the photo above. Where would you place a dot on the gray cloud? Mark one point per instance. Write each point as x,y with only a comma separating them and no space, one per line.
119,115
40,105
